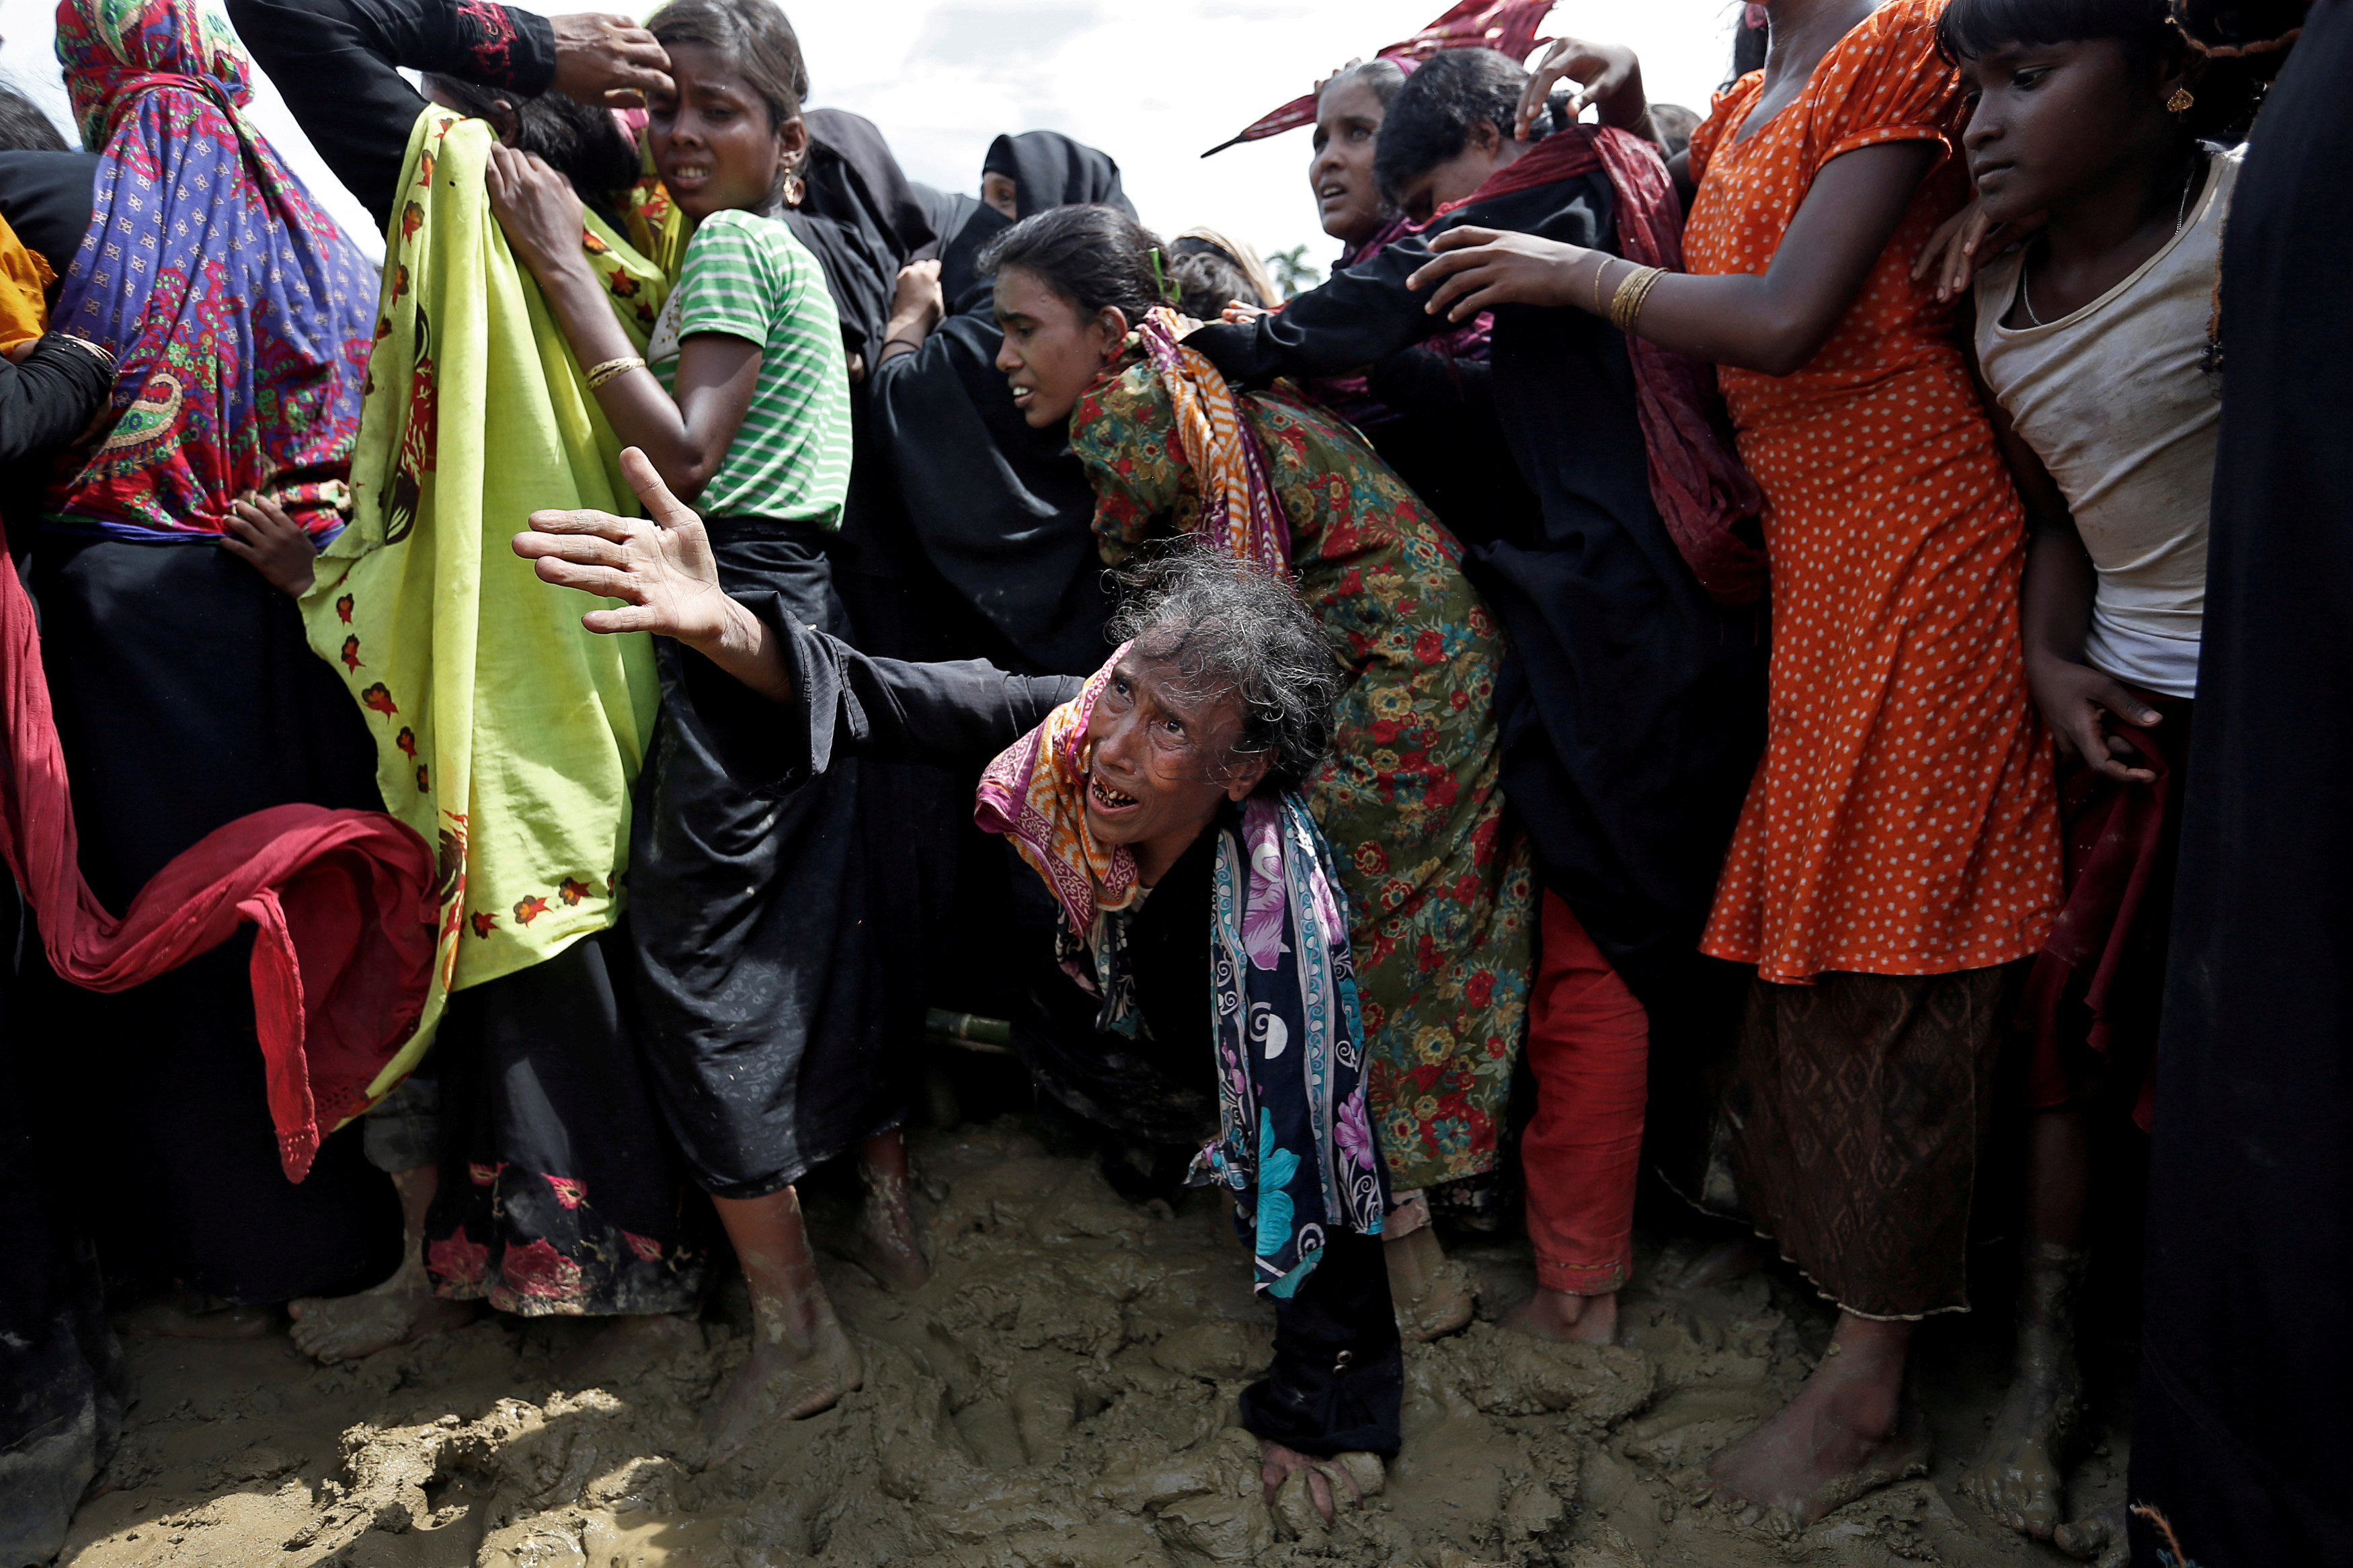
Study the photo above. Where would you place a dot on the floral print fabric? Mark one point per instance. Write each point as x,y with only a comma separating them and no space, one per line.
1440,894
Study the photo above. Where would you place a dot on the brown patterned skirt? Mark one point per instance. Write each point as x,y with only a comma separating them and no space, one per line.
1852,1129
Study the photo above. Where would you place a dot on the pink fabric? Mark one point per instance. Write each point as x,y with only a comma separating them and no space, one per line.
1507,26
1700,488
1590,1048
342,902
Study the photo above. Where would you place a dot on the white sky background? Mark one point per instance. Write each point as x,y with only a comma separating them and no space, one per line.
1151,82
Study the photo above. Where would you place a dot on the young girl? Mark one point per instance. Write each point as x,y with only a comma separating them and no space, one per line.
2095,341
1899,850
765,1034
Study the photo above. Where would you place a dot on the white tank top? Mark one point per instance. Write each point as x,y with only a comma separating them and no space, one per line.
2117,401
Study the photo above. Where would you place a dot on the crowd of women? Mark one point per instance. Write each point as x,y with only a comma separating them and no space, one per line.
1706,621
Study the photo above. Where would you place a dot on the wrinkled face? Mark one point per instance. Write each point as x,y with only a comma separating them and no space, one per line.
998,191
1485,151
1158,766
712,143
1347,128
2049,123
1052,351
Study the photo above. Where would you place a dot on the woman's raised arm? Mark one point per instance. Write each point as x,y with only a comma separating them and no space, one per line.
1775,321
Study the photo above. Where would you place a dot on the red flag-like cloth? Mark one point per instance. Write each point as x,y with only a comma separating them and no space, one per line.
1703,492
1508,26
342,902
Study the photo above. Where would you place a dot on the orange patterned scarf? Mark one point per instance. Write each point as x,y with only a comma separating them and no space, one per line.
1222,450
1035,793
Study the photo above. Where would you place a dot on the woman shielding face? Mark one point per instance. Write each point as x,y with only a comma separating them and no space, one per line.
1053,351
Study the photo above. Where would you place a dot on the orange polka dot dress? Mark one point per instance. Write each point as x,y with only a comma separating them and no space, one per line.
1902,821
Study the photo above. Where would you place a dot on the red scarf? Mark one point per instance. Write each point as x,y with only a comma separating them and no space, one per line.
342,902
1699,484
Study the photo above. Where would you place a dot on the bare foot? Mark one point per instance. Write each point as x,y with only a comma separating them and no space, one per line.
782,1382
1567,1318
171,1320
2099,1539
2020,1478
1850,1431
625,1347
1431,1291
1363,1474
345,1328
1719,1265
890,1243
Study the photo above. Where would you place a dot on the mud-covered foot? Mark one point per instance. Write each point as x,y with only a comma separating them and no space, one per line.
2099,1539
1850,1431
1566,1319
175,1321
1290,1476
345,1328
2020,1476
625,1347
1431,1291
890,1241
781,1382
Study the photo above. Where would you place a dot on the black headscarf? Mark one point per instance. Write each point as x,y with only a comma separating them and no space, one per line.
853,179
1049,170
1005,512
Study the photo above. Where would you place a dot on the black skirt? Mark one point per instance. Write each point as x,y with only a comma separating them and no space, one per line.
186,697
763,959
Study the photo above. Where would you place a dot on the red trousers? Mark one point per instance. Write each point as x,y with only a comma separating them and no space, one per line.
1590,1048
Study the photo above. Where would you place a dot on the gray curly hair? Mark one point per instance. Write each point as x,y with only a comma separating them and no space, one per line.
1230,629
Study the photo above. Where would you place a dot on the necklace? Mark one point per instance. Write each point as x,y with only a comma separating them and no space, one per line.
2189,189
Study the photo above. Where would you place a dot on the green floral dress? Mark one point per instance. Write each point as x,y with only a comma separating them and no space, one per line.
1441,893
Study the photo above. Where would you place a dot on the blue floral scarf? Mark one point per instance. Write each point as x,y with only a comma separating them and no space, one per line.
1295,1146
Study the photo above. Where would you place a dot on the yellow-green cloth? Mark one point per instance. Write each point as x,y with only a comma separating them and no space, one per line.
507,734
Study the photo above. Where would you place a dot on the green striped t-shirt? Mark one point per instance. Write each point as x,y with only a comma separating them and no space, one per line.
747,276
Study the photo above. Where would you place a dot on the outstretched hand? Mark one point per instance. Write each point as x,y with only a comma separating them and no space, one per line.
1477,269
607,61
661,568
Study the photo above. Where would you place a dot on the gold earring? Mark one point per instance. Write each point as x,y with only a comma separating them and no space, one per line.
2183,100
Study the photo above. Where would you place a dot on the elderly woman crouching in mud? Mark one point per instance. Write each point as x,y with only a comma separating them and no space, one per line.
1159,802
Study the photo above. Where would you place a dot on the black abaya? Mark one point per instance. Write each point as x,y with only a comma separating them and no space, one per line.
2240,1431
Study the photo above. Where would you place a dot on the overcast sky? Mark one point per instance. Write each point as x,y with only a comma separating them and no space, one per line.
1152,82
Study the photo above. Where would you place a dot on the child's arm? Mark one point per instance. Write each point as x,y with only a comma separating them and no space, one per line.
2056,611
260,534
685,437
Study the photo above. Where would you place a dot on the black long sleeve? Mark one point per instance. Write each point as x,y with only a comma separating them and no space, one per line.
848,704
1367,314
337,63
48,399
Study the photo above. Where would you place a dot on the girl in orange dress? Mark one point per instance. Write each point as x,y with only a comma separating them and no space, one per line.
1898,853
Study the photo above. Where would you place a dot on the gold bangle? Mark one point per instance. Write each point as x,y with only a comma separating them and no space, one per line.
1626,308
1600,276
613,368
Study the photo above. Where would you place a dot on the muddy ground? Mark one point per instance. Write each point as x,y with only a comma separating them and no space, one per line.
1061,1396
